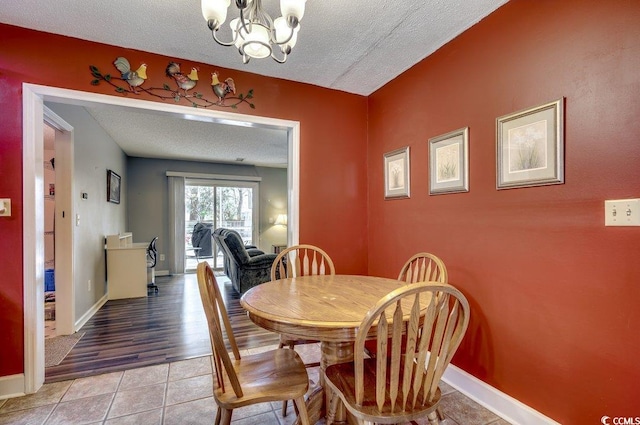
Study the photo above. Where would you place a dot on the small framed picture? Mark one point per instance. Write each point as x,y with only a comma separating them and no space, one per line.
530,147
396,173
449,162
113,187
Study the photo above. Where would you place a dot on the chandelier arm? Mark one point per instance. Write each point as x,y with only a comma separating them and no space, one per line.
242,23
223,43
265,18
251,20
243,53
284,57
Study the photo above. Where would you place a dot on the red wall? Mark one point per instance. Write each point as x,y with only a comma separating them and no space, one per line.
332,151
554,294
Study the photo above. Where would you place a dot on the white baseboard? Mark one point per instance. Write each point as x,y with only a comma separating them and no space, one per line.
498,402
12,386
89,314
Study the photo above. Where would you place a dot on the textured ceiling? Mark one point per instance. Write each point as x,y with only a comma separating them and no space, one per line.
352,46
149,135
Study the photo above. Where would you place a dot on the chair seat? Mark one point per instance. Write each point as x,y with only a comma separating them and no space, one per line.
341,379
274,375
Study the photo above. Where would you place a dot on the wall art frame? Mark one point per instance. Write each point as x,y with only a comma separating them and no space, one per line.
530,146
449,162
397,174
113,187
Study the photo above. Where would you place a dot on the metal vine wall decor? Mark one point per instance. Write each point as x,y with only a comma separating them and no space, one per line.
184,83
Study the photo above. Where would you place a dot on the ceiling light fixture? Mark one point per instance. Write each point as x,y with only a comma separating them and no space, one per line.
255,34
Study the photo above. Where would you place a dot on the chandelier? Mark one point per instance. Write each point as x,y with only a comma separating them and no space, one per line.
254,33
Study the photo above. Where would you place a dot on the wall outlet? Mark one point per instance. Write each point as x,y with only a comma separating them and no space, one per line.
622,212
89,285
161,257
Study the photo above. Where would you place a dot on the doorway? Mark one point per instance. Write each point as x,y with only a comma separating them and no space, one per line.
210,204
57,231
34,97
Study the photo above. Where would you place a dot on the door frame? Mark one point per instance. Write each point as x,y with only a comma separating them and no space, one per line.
33,97
63,231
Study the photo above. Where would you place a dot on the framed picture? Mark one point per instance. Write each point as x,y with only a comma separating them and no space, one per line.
449,162
530,147
113,187
396,173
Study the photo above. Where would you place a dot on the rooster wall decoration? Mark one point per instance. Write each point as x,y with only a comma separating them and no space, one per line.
134,78
222,89
184,83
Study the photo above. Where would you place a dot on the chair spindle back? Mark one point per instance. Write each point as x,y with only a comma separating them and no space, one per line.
301,260
434,316
423,267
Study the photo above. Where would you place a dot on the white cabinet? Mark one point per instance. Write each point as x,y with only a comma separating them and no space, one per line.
126,267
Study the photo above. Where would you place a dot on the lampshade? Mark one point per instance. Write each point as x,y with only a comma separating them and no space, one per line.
281,220
283,31
215,10
256,42
292,8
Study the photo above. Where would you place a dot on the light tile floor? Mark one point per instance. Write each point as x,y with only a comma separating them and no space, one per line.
178,393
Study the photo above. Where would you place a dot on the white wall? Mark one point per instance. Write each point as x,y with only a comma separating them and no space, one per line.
94,153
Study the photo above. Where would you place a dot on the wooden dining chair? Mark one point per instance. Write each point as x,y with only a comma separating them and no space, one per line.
423,267
295,261
275,375
301,260
401,386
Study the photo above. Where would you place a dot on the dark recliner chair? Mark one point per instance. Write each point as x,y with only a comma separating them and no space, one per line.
218,237
245,268
201,238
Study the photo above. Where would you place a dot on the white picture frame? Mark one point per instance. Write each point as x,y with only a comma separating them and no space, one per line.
530,146
449,162
397,174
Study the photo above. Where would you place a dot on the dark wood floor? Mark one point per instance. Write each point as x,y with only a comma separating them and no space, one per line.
161,328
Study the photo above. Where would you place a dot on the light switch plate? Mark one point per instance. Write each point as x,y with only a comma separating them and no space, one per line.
5,207
622,212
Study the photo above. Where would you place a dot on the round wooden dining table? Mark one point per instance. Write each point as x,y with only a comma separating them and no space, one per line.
326,308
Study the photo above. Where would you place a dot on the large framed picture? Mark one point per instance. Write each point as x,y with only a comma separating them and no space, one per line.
396,173
449,162
530,147
113,187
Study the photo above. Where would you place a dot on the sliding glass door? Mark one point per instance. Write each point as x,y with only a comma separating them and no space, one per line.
210,204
